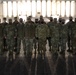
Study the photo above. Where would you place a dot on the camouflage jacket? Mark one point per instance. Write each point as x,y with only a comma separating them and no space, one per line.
70,25
29,30
42,31
20,30
1,31
10,31
4,29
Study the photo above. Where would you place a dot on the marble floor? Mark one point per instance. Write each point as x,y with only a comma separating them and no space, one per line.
52,64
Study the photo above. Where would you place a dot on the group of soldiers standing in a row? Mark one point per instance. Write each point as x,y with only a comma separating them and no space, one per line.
30,33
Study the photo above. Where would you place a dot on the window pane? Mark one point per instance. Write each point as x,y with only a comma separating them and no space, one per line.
23,8
33,8
38,8
19,8
4,9
73,8
53,8
48,8
63,8
67,8
28,8
58,8
44,8
14,8
9,9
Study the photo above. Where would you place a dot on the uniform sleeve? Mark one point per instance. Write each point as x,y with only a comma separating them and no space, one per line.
24,30
36,32
5,31
48,32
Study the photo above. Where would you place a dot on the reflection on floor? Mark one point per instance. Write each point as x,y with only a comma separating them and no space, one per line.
52,64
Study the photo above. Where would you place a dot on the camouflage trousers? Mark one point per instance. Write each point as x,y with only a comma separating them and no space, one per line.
10,43
41,46
62,44
54,42
1,45
35,41
19,40
4,44
28,46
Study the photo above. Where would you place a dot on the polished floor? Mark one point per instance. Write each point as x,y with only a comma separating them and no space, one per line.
55,64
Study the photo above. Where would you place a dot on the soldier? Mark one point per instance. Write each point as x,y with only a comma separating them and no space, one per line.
70,34
59,26
42,32
41,21
10,38
36,21
4,24
20,34
30,17
54,37
15,23
62,36
1,38
50,24
35,40
74,37
29,35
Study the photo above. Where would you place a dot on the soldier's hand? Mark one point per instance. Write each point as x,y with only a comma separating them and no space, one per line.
5,37
48,38
36,38
15,37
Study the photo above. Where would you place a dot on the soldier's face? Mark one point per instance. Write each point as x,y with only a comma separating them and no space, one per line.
70,18
21,20
36,20
4,20
15,19
10,21
29,19
41,19
55,20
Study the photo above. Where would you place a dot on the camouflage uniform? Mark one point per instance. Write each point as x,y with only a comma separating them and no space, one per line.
74,38
50,24
70,34
20,34
4,24
10,39
62,36
42,32
54,37
35,41
15,23
29,35
1,39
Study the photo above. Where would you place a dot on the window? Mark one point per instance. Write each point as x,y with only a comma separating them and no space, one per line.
28,8
19,8
44,8
38,8
4,9
9,8
33,8
73,8
53,8
14,8
62,8
48,8
24,8
58,8
67,8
